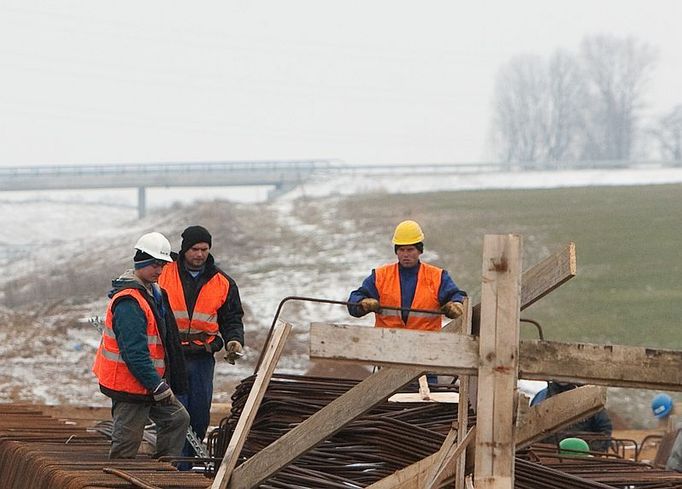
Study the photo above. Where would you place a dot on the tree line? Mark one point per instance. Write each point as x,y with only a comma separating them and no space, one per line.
587,105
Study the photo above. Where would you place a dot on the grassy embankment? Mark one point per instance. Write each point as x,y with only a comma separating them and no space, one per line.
628,239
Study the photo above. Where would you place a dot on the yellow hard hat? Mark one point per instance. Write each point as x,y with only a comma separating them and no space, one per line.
407,233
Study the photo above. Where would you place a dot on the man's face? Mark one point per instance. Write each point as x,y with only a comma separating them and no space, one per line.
408,256
196,256
150,273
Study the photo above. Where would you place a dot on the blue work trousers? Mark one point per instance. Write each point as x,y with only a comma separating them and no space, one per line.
198,398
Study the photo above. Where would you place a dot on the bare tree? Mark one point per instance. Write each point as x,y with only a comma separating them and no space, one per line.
537,109
618,71
668,133
518,106
565,108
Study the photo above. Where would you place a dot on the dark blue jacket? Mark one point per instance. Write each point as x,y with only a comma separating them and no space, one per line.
597,424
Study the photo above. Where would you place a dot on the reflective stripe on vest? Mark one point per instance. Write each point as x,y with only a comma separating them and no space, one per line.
202,327
387,280
110,368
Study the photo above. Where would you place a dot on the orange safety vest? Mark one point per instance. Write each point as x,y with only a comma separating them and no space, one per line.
202,328
109,367
387,281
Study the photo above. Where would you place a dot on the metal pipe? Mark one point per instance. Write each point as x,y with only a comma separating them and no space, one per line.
328,301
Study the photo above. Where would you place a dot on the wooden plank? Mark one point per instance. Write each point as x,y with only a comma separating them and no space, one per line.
547,275
557,412
538,281
440,468
415,476
498,357
613,365
443,397
321,425
364,344
454,354
260,384
424,390
467,390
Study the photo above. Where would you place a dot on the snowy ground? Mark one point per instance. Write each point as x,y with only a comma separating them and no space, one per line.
56,240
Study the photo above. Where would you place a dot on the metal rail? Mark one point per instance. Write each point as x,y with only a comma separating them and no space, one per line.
330,301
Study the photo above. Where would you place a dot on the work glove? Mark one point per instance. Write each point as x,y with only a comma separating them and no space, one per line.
452,309
163,394
369,305
233,350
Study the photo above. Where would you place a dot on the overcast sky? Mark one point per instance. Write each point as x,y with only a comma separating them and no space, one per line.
360,81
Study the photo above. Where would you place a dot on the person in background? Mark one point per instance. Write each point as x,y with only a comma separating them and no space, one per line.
208,310
597,424
408,283
663,408
139,363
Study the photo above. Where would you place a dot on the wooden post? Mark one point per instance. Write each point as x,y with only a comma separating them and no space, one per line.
498,357
248,415
467,384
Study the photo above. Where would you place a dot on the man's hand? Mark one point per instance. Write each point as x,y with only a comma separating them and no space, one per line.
369,305
163,394
233,350
452,309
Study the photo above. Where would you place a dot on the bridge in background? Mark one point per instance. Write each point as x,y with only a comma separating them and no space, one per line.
281,175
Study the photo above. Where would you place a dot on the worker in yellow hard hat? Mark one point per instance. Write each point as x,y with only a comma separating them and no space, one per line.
409,284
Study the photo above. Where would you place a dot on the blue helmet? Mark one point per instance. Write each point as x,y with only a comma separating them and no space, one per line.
661,405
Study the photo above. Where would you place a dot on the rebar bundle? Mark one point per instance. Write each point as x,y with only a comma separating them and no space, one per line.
387,438
41,452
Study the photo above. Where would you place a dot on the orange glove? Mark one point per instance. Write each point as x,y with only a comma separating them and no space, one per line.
452,309
369,305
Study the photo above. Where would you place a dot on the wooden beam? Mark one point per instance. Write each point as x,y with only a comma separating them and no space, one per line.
538,281
436,352
454,354
260,384
612,365
557,412
468,385
321,425
547,275
440,471
498,361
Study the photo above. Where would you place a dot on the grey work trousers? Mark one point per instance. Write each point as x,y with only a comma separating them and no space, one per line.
130,419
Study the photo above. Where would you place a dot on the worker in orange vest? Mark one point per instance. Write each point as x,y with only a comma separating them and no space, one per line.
409,284
139,363
208,310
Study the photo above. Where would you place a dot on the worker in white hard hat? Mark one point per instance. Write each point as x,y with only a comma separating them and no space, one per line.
408,283
139,363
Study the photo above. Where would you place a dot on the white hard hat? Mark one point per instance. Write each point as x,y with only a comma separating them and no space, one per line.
156,245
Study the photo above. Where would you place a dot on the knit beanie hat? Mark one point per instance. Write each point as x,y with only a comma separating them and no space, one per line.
142,259
193,235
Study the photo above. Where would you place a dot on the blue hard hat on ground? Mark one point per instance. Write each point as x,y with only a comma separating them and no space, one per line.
661,405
